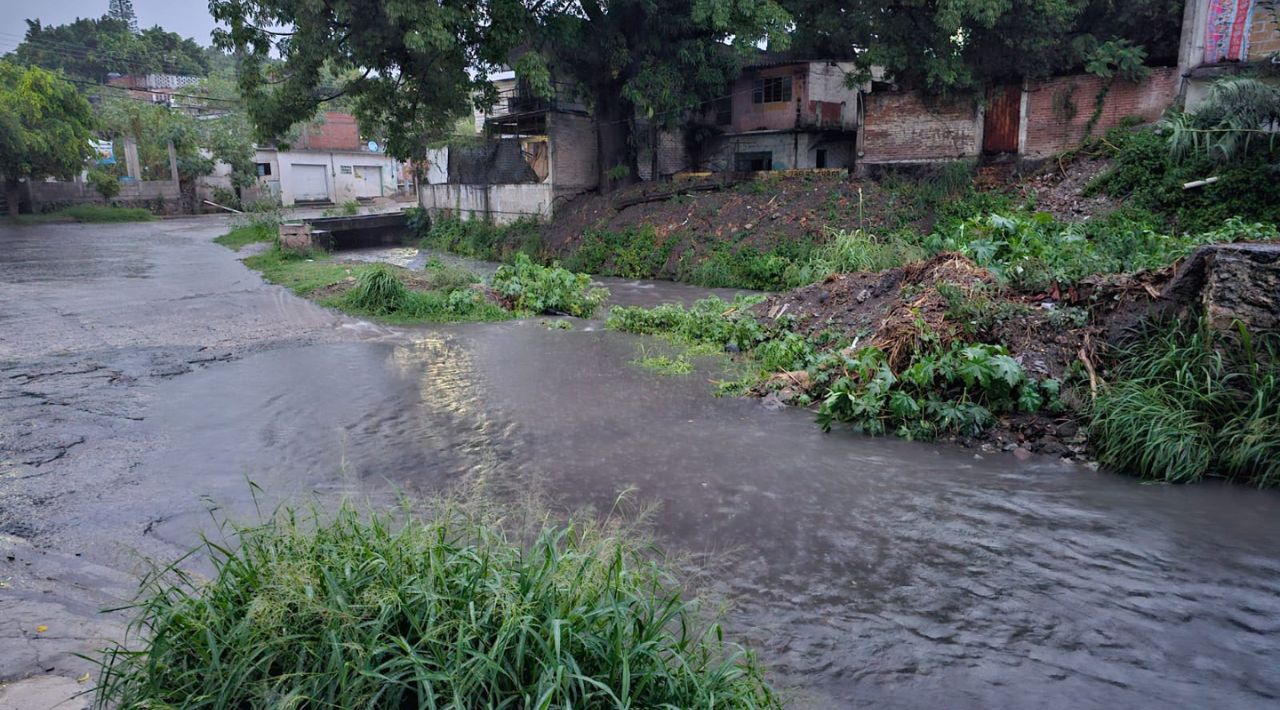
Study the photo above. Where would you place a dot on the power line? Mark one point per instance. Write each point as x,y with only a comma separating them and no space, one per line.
155,93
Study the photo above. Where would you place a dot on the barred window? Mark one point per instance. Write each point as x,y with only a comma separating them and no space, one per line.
771,90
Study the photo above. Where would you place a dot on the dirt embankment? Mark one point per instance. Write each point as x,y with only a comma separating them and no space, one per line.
948,298
760,213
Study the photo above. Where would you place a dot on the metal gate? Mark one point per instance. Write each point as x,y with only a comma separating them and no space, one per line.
1000,128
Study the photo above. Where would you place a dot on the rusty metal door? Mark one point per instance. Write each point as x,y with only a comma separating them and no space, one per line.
1000,129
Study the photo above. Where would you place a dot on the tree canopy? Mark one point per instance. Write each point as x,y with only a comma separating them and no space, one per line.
45,127
90,49
413,69
958,45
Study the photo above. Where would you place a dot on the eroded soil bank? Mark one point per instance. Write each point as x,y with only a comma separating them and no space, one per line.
146,375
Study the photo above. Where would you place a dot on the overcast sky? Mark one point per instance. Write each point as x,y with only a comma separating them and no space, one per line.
189,18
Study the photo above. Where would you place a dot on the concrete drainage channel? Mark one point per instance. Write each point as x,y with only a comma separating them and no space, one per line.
341,233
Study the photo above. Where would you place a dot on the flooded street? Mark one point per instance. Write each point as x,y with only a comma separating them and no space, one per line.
146,376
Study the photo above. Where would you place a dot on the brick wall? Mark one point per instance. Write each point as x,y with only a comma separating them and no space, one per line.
904,127
1264,33
573,151
1058,110
338,132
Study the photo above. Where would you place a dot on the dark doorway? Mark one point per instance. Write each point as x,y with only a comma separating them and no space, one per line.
821,160
1000,128
753,162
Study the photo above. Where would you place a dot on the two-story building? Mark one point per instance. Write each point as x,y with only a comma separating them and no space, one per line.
782,113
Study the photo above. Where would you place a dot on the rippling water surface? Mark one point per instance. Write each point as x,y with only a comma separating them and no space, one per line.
868,572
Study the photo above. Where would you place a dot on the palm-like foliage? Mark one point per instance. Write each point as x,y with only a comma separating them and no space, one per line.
1239,115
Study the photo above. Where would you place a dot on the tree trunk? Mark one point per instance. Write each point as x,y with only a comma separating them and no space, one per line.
12,196
615,150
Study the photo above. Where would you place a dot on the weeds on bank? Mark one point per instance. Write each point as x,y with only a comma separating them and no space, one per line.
1188,403
663,364
384,611
240,237
955,389
531,288
378,291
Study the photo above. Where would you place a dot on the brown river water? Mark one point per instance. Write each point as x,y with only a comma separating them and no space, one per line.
868,572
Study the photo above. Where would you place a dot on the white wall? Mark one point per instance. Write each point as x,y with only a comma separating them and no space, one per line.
791,150
499,203
342,185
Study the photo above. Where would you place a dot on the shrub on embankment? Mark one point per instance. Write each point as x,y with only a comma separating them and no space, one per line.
452,611
1187,403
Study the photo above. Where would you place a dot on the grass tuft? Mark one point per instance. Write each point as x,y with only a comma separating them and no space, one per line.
1185,404
393,611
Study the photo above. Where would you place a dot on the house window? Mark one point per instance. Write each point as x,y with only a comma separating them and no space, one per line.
771,90
264,169
753,162
345,169
724,110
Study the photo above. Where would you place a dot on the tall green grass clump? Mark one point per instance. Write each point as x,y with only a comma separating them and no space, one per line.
379,291
848,251
1187,403
477,238
533,288
399,612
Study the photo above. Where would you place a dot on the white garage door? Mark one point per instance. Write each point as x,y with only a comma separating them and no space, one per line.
368,180
310,183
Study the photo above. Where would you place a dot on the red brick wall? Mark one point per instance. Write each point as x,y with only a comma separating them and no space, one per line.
1052,127
903,127
1264,33
338,132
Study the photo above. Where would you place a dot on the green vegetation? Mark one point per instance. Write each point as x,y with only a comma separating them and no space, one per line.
476,238
244,235
1150,173
95,214
531,288
663,364
954,390
1186,403
1033,252
350,208
379,291
45,128
385,611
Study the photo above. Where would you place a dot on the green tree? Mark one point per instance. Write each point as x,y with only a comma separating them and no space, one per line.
411,70
960,45
1236,121
408,69
650,58
88,50
45,128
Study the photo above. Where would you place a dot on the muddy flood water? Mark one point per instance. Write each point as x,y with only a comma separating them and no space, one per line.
868,572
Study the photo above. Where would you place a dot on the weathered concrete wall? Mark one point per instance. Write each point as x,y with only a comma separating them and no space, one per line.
1057,111
497,203
907,127
790,150
573,151
161,196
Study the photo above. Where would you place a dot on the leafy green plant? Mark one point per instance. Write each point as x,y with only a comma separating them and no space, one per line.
711,321
532,288
107,184
957,390
383,611
1185,403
